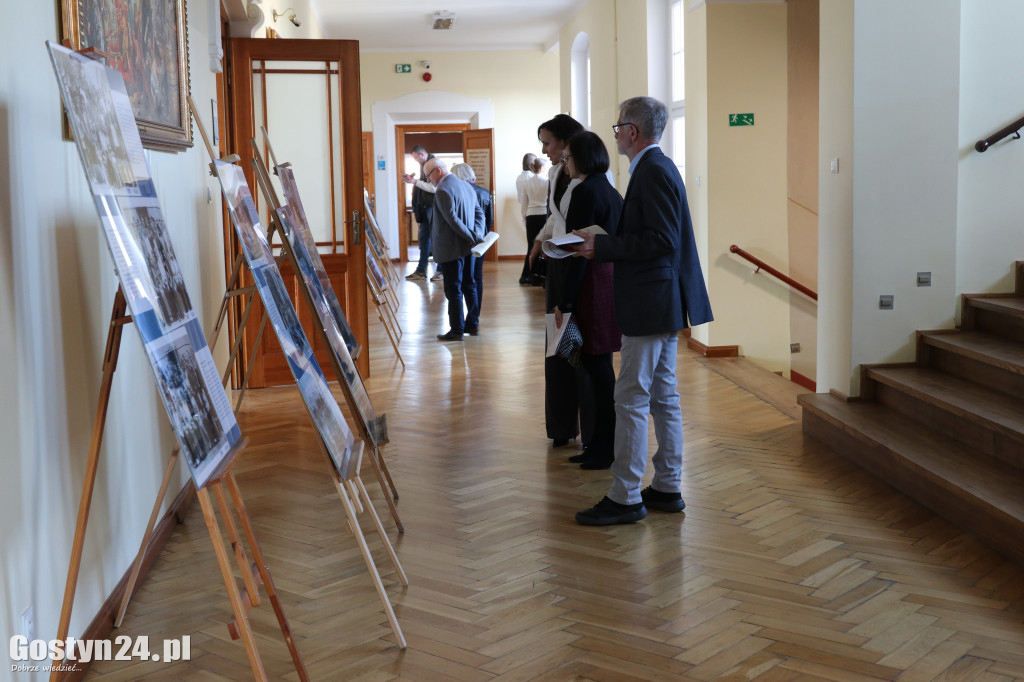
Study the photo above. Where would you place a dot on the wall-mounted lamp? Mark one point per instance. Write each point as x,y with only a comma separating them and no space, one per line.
443,20
294,19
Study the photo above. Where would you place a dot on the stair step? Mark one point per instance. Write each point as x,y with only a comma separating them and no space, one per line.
962,484
999,315
982,406
1012,306
979,346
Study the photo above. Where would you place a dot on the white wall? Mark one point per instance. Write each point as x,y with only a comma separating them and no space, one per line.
906,99
695,27
835,198
990,211
515,90
746,178
56,290
310,22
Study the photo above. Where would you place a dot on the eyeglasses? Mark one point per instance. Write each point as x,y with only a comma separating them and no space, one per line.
615,128
432,172
566,157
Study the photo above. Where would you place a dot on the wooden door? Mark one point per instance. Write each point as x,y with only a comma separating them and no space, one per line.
306,93
478,150
368,167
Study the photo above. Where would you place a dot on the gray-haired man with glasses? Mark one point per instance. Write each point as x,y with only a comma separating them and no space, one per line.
658,287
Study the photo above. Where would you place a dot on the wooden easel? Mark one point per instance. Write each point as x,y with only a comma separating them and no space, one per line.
240,606
376,459
386,315
351,490
384,256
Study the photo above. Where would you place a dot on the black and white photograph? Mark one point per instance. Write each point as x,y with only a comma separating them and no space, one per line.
188,402
87,96
150,234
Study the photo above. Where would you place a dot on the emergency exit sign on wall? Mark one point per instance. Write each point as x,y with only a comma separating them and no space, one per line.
403,68
741,119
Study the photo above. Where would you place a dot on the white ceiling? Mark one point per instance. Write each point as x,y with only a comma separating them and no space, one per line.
401,25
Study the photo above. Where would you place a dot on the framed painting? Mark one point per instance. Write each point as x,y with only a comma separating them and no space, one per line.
146,41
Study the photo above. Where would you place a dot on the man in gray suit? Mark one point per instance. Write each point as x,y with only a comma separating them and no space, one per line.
457,227
658,285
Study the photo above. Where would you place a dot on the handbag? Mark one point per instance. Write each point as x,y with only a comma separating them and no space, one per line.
571,344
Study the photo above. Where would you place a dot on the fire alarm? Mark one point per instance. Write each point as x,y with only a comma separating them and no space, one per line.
427,77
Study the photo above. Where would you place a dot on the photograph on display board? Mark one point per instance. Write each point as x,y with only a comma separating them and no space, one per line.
294,230
313,387
373,233
115,166
313,272
375,272
188,403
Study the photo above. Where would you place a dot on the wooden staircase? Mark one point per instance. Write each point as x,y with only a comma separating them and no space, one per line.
947,430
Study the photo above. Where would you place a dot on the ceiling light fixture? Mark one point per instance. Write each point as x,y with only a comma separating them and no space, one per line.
443,20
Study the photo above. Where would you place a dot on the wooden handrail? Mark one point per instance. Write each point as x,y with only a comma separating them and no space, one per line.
1012,129
761,265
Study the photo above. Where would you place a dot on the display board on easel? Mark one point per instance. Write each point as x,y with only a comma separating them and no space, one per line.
152,288
335,438
313,388
298,235
373,428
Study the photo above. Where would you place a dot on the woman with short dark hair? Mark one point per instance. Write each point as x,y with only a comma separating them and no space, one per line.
585,290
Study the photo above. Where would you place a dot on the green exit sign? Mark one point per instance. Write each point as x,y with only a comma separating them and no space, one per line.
741,119
403,68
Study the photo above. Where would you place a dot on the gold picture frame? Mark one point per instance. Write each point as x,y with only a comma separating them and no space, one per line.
147,41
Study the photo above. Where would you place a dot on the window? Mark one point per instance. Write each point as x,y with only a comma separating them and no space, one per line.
579,83
677,110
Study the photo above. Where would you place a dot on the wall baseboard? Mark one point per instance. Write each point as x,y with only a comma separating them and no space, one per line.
798,378
103,624
712,351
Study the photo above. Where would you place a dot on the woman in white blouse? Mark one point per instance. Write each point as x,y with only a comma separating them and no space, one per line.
534,198
561,393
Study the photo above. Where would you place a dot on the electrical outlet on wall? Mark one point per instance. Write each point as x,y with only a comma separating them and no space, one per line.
28,623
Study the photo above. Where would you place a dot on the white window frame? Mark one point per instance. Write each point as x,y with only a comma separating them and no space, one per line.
677,61
579,79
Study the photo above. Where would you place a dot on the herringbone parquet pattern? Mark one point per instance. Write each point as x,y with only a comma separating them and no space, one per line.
788,564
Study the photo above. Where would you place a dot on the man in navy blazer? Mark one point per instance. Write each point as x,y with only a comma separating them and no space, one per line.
458,224
658,287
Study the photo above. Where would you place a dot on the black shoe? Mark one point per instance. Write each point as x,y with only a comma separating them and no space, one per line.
598,462
608,513
559,442
577,459
450,336
666,502
473,331
523,281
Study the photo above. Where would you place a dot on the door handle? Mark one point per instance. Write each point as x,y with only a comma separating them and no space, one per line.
356,223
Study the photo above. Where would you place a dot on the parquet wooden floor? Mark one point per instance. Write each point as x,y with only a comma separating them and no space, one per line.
789,563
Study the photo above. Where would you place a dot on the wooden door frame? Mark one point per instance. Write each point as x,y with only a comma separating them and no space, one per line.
345,52
401,129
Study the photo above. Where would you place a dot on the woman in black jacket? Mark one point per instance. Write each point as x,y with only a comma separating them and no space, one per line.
584,288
